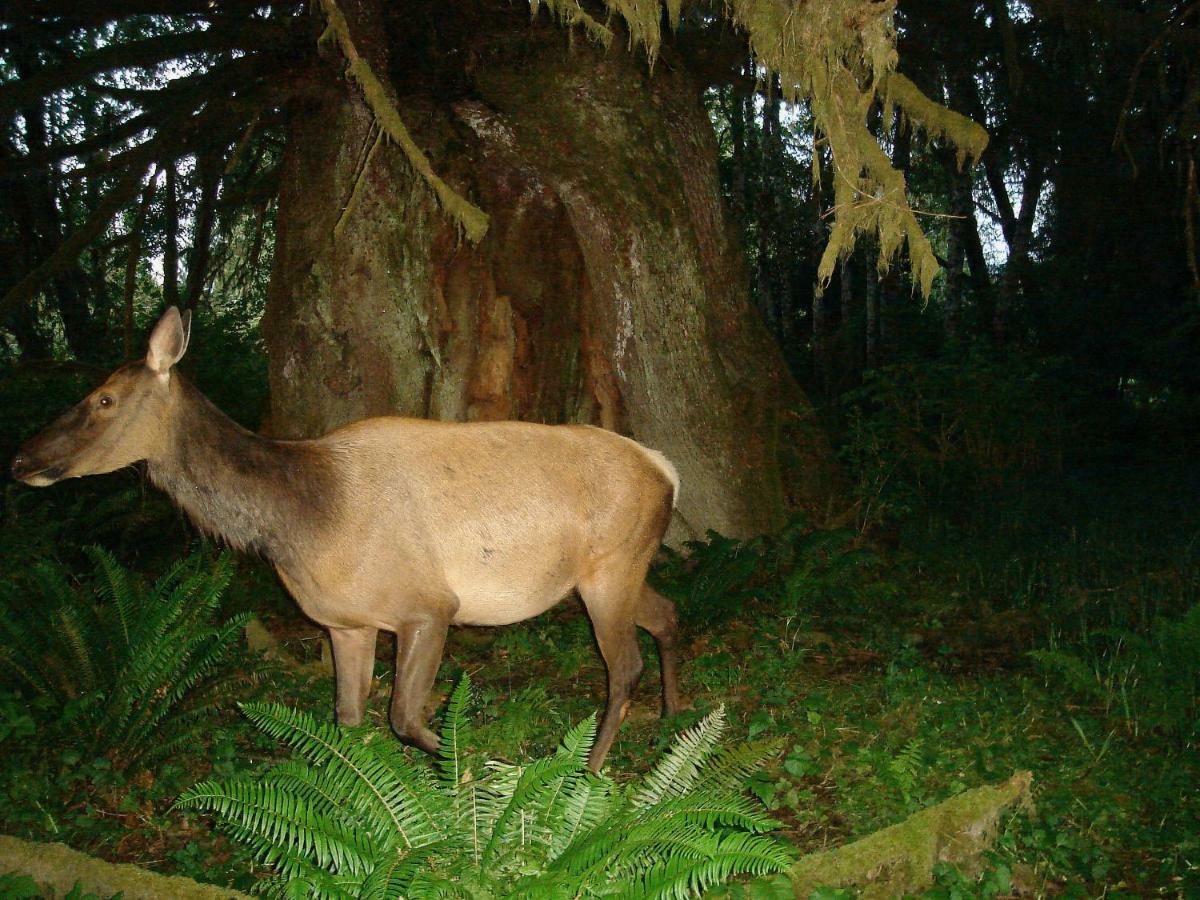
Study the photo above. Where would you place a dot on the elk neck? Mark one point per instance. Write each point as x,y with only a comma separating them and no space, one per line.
270,497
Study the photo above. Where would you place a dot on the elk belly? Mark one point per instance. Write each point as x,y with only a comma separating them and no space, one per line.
519,592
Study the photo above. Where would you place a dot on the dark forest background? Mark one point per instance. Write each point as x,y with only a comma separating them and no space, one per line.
932,538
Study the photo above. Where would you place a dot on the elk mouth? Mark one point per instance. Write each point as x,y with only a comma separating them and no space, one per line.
24,471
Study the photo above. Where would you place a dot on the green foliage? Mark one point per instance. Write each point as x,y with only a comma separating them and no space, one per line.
716,576
22,887
951,430
353,816
128,671
1151,680
904,769
18,887
799,570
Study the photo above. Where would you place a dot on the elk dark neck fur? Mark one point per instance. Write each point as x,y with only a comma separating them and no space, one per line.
254,493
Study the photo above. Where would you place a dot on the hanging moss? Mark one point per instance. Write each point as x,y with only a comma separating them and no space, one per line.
839,56
571,14
470,218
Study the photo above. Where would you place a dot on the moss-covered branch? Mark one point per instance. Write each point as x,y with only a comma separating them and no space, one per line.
968,137
58,869
900,859
473,220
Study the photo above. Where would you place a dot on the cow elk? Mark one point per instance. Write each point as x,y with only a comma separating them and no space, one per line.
398,524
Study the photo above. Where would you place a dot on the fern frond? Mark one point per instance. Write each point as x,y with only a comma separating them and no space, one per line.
394,876
728,769
183,728
677,771
734,854
455,728
80,675
113,587
586,803
300,878
704,810
282,825
546,808
536,780
151,687
353,769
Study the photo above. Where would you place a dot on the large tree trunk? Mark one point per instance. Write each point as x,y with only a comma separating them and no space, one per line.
609,289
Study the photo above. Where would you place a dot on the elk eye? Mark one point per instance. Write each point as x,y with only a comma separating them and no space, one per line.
106,401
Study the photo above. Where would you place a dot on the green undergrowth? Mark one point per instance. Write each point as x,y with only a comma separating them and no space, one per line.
980,631
352,814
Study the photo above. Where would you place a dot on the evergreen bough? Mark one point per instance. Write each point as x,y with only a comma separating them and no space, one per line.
131,671
351,815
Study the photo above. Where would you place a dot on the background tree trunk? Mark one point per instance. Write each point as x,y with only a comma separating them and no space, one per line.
609,289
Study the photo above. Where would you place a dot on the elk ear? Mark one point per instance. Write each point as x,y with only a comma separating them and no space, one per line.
168,340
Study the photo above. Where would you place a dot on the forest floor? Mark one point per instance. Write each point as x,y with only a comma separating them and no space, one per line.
896,679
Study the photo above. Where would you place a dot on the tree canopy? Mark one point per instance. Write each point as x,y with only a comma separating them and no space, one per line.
142,84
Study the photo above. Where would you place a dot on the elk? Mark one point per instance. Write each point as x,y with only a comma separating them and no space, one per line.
404,525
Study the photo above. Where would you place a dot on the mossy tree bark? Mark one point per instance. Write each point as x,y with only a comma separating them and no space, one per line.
608,290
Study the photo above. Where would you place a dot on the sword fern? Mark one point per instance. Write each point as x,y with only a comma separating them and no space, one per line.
132,670
354,816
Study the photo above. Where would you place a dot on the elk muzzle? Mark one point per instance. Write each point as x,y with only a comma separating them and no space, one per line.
31,472
33,469
47,456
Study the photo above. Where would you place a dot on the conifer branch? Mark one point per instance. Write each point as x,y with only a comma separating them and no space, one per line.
148,52
68,251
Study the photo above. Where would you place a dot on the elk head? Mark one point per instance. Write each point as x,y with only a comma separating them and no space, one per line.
123,421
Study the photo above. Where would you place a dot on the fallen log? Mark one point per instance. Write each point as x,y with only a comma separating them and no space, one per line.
57,869
899,860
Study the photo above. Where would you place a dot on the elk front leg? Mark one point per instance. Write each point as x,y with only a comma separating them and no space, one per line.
353,665
419,647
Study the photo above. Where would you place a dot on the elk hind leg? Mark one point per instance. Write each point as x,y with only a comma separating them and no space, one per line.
657,615
610,605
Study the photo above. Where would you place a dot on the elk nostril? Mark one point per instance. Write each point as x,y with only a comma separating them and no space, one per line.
18,463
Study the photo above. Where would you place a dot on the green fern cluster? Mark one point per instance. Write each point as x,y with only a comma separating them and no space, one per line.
904,769
130,670
354,816
799,570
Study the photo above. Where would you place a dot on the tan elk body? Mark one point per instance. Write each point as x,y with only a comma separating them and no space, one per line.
399,524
